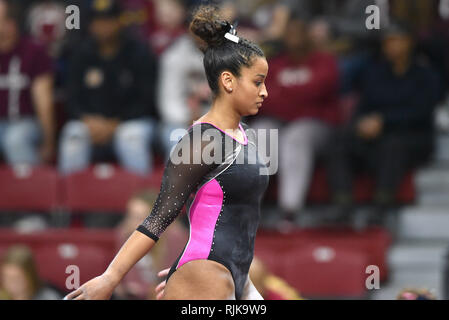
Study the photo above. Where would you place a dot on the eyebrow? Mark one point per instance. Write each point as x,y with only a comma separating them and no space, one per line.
260,75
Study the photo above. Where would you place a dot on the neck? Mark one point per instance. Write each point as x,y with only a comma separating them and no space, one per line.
223,115
400,66
8,46
109,48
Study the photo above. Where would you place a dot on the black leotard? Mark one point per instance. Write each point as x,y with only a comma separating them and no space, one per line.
224,214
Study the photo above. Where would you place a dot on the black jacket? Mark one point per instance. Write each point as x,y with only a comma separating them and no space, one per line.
406,102
121,87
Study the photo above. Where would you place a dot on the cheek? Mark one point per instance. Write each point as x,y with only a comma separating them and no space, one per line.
248,92
242,98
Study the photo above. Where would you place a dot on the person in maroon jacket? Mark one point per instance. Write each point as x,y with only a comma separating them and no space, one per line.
26,94
303,106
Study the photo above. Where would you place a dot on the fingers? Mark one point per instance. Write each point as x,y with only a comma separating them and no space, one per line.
159,296
73,294
164,272
160,286
80,297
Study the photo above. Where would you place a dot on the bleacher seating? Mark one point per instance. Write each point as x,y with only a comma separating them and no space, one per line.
325,263
363,188
27,188
100,187
54,250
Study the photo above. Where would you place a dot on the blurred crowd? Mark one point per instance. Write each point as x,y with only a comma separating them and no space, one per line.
117,87
340,94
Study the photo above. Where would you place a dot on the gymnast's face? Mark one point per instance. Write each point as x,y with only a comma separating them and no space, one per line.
248,90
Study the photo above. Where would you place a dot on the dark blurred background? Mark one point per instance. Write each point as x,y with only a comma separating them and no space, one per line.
86,118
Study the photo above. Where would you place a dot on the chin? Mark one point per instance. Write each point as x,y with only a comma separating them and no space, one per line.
253,111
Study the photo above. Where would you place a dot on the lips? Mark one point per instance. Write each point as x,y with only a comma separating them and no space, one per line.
259,104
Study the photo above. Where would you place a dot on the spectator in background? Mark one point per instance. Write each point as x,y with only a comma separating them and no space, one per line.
183,91
259,20
392,128
110,97
169,24
140,281
19,279
415,294
46,23
26,94
270,286
303,105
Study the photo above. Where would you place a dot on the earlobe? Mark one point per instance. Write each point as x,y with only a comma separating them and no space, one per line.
226,79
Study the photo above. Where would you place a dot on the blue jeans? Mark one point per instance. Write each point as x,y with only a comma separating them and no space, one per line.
170,134
131,143
19,141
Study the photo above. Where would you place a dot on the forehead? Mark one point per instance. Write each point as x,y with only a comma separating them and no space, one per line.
259,67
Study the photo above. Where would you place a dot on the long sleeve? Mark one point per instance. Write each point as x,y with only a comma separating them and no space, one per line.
177,64
184,171
142,97
404,102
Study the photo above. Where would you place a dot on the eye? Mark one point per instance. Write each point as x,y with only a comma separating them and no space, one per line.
258,83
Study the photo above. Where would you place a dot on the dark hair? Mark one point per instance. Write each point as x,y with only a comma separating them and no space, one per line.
220,53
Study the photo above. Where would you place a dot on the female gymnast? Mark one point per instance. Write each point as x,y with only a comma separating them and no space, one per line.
224,213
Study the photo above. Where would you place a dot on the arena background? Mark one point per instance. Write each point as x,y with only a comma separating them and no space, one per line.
66,207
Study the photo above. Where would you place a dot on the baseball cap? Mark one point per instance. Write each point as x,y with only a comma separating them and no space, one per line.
104,8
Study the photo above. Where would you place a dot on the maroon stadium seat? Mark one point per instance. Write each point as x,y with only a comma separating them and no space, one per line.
104,188
319,192
90,250
314,260
327,271
363,188
28,188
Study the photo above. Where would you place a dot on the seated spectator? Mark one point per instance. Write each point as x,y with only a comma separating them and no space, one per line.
46,23
169,24
183,91
415,294
26,94
270,286
110,97
303,106
392,127
140,281
259,21
19,279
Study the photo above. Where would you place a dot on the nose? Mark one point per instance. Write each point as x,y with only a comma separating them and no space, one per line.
264,93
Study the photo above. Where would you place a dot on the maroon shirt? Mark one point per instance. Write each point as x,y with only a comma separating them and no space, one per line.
18,69
305,89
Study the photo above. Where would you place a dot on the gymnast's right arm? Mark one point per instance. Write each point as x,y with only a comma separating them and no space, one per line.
180,179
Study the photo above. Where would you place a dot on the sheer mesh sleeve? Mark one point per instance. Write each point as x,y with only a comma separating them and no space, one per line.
184,171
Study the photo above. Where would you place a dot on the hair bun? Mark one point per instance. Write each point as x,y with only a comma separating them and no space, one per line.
207,25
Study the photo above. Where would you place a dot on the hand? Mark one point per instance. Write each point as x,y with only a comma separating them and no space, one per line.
99,288
47,151
101,129
370,127
161,286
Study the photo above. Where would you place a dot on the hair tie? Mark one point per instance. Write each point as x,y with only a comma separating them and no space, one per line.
231,34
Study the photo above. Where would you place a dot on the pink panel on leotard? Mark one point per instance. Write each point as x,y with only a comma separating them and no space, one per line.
203,215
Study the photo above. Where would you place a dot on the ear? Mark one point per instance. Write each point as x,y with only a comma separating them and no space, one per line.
227,81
